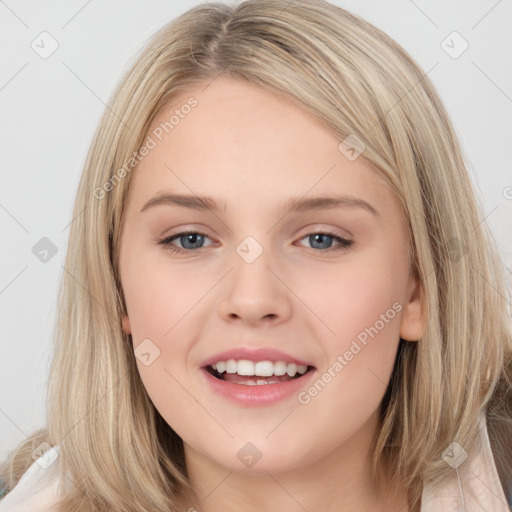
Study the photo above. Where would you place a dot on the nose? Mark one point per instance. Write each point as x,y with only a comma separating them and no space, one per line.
256,294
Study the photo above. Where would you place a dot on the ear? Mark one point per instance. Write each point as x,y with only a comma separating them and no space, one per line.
126,324
414,322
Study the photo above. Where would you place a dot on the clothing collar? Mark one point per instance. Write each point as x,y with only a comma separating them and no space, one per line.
473,484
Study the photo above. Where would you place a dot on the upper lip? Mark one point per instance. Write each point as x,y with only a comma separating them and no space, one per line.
255,355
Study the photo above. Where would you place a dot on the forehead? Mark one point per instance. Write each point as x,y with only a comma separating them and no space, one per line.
244,143
229,112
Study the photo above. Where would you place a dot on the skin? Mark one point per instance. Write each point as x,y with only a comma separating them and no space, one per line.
253,150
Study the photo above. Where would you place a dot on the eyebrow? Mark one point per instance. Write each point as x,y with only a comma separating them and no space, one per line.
294,204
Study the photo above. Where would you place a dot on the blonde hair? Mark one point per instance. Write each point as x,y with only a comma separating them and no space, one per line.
115,447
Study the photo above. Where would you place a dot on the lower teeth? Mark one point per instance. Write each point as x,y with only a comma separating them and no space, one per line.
254,380
259,382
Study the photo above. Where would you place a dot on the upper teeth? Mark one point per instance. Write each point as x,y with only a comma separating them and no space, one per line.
260,368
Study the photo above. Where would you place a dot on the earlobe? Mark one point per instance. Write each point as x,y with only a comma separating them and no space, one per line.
126,324
414,323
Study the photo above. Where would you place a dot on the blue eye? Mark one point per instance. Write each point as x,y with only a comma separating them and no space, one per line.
321,238
192,240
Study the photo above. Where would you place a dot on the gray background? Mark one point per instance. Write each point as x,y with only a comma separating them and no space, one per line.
50,108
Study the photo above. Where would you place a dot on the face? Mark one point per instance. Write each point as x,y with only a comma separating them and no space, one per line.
267,281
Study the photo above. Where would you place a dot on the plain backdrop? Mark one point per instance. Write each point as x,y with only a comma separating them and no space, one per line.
50,108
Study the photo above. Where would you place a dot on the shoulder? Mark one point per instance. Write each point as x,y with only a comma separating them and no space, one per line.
38,490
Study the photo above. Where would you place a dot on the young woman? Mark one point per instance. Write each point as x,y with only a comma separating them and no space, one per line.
280,293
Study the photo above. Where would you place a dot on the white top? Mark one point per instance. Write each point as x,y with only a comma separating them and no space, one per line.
473,485
38,489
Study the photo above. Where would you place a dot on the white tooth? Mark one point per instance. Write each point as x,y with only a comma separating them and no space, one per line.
260,369
245,367
261,382
291,369
231,366
264,369
279,368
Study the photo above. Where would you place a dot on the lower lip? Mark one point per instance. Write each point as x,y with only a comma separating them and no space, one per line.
263,394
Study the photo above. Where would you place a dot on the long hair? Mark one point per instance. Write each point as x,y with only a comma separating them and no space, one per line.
115,449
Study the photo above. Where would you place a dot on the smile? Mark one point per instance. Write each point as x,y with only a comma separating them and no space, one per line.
256,373
251,377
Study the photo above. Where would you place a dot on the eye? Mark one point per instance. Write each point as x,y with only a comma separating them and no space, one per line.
323,241
192,240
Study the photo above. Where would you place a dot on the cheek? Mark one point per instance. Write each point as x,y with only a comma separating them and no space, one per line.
351,297
158,296
359,306
160,301
164,302
161,305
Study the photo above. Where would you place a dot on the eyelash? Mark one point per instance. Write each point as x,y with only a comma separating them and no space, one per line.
166,242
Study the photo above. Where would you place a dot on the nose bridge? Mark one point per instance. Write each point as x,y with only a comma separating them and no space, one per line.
250,250
252,273
254,292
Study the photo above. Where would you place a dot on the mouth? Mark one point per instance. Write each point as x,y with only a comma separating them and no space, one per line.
257,373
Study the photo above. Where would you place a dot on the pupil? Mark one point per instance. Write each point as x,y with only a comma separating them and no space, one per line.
320,236
192,236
